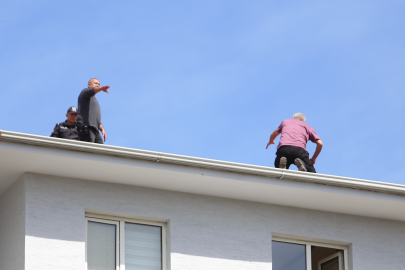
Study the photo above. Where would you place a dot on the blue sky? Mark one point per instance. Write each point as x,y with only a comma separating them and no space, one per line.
213,79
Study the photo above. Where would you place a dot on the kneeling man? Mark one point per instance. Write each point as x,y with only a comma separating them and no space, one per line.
295,134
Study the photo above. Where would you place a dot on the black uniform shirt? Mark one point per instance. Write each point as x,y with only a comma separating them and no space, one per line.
63,130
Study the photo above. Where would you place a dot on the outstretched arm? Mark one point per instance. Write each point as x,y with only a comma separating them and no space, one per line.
101,88
318,149
273,136
91,91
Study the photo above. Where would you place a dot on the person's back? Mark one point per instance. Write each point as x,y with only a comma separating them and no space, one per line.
295,134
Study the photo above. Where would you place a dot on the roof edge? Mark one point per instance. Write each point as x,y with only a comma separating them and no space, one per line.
109,150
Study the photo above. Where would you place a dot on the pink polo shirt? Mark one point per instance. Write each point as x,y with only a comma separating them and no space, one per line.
296,133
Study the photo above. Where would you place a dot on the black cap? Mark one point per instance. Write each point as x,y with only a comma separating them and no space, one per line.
72,109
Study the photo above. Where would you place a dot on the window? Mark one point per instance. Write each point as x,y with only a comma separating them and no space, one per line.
302,255
124,244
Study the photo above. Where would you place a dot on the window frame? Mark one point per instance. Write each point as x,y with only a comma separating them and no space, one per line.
308,251
336,255
117,238
120,236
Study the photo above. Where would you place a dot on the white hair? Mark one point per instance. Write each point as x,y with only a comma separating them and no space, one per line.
299,116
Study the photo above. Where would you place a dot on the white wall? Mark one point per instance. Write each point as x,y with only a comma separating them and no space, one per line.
12,227
205,232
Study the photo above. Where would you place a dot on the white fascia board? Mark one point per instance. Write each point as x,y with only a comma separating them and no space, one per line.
201,162
24,154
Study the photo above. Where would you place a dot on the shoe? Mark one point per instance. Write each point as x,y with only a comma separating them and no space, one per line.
301,166
283,163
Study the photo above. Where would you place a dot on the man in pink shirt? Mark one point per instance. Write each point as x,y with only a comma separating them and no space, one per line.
295,134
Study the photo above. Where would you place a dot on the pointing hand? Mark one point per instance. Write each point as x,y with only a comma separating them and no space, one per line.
269,144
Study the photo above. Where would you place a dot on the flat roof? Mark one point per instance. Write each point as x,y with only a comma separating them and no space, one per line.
25,153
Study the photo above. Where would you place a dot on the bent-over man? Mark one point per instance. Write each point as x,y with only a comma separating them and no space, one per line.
68,128
89,119
295,134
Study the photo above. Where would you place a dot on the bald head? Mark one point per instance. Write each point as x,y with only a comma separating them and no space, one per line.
93,82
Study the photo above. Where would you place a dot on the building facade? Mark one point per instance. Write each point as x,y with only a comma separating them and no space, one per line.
75,205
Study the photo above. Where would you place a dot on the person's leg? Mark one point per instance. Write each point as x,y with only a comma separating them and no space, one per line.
289,162
288,153
92,135
80,126
95,136
304,156
283,152
280,161
309,165
277,161
304,164
300,165
98,138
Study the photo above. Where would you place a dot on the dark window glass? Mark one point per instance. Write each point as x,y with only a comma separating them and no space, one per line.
287,256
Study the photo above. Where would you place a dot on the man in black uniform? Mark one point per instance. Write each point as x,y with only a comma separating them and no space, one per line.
89,119
67,129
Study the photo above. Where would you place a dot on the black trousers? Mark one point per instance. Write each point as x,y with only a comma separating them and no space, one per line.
93,135
291,153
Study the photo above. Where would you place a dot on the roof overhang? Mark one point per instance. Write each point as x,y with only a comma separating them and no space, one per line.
25,153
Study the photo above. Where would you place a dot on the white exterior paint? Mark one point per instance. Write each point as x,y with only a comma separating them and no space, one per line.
16,159
204,232
12,227
219,215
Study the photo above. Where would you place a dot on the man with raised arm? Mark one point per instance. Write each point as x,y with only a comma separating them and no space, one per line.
89,118
295,134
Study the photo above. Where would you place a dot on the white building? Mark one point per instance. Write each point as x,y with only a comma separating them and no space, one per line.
76,205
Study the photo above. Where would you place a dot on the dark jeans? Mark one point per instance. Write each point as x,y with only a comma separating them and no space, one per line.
92,136
291,153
